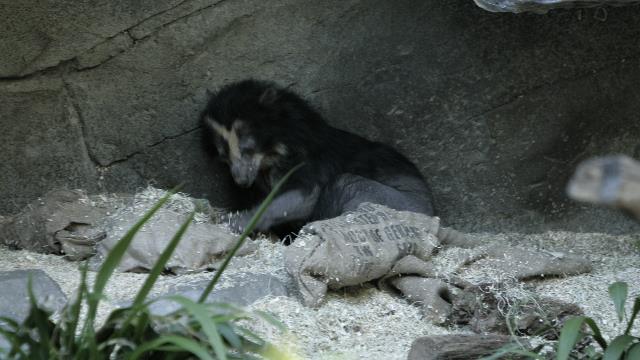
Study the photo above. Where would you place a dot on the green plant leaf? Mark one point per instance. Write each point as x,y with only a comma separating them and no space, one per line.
199,312
618,292
249,335
595,332
634,313
71,314
159,265
108,267
617,347
569,336
7,321
252,224
229,334
9,335
271,319
183,343
39,318
15,341
228,309
155,272
634,352
115,255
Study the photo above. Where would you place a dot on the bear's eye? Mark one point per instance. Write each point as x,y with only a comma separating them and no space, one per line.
220,147
248,146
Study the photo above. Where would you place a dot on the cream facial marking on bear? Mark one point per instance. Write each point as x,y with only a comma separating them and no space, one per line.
229,136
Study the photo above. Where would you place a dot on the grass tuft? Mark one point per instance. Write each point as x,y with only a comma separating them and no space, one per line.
195,330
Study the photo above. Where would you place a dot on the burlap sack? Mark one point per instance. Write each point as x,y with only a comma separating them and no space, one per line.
58,222
202,245
357,247
410,254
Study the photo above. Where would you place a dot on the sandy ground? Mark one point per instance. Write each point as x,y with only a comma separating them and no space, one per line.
366,323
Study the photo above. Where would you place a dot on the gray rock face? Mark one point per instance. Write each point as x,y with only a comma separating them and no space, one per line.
42,36
14,297
246,289
495,110
41,142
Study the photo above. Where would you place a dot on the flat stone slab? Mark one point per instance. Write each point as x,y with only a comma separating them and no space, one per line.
14,296
246,289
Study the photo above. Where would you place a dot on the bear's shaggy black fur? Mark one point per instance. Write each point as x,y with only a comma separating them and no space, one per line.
263,131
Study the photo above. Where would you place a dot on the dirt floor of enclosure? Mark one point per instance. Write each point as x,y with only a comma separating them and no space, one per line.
365,323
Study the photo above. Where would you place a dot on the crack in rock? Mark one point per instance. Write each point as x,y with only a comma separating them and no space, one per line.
75,108
159,142
120,42
157,22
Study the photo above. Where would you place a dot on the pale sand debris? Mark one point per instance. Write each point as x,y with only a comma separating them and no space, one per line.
364,323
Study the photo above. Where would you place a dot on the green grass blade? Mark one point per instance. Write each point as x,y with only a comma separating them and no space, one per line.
229,334
617,347
252,223
72,314
15,343
7,321
230,309
157,269
634,352
200,314
106,270
9,335
597,335
39,317
183,343
618,292
271,320
143,324
250,336
159,265
115,255
569,336
634,313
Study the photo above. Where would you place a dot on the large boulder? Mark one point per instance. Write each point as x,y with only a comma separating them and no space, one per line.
14,298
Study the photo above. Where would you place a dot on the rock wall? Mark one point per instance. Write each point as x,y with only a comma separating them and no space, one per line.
496,109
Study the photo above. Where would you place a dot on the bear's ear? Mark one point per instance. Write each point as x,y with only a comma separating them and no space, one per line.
210,93
269,96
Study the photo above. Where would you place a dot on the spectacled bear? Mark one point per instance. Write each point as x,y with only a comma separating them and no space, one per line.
262,131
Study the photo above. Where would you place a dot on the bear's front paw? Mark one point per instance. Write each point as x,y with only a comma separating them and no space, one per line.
237,221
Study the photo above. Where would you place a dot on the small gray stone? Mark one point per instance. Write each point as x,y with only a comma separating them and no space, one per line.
247,288
14,297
